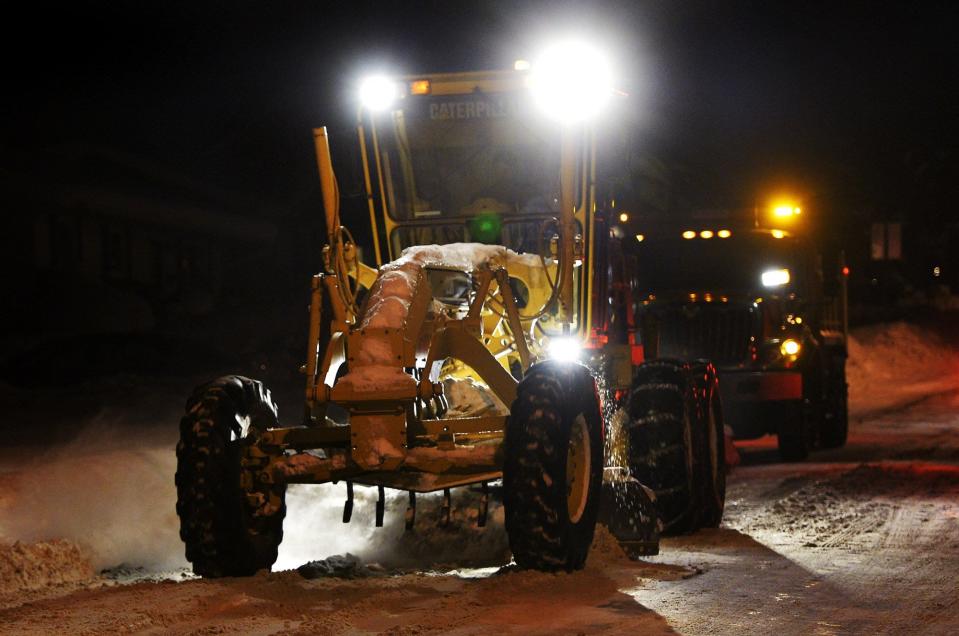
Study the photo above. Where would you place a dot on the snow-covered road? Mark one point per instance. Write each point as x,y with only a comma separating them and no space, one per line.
863,539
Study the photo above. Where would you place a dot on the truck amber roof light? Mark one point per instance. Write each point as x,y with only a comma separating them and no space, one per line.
724,233
689,234
420,87
706,234
784,211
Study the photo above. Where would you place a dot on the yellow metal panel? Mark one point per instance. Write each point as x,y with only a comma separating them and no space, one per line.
465,425
425,482
378,439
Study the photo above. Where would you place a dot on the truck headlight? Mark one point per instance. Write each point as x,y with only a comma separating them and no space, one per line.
775,277
565,349
571,81
790,347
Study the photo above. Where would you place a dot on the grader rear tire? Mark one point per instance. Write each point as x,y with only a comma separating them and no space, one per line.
227,531
662,447
553,468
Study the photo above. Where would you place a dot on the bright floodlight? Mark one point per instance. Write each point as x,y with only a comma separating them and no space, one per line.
571,81
564,349
377,93
775,277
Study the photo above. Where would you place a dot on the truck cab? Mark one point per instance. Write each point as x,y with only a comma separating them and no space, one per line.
757,303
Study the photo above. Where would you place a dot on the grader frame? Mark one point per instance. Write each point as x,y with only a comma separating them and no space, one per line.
425,451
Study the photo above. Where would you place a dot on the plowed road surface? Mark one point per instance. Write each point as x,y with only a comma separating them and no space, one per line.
860,540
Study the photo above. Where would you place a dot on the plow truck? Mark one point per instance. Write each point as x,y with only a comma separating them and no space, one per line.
756,295
488,343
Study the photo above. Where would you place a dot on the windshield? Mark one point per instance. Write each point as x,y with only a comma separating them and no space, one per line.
464,167
734,264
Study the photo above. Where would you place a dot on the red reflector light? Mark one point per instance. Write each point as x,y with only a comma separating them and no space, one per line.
845,271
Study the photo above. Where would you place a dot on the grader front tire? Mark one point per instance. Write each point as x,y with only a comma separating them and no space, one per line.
224,532
553,467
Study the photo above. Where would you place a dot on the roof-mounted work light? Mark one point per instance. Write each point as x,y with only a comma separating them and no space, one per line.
377,93
571,81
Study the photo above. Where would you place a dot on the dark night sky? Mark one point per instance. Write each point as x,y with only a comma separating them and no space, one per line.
833,98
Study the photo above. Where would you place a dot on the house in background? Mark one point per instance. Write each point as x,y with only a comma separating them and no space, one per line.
103,241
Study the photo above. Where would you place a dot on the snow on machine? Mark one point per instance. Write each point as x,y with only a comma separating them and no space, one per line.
494,341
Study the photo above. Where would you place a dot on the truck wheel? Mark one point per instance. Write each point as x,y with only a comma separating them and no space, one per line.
794,437
661,409
228,531
835,428
553,467
710,449
803,424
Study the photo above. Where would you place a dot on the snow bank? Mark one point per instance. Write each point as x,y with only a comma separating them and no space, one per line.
111,492
893,364
35,566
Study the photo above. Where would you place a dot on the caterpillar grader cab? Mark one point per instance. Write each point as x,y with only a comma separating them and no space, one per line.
486,342
765,306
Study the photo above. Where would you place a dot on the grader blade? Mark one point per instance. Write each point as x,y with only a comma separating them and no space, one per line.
629,512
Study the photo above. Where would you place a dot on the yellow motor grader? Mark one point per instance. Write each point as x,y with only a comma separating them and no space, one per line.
494,340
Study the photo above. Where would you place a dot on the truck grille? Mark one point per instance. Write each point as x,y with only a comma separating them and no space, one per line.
716,332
